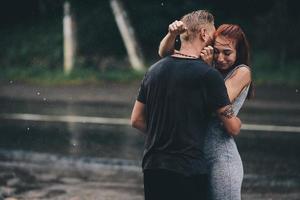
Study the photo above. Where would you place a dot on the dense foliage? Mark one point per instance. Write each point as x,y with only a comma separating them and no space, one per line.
31,31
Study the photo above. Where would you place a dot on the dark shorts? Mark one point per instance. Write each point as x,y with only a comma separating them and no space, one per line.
168,185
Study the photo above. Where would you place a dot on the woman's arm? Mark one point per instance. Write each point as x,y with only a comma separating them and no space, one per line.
167,45
237,82
231,123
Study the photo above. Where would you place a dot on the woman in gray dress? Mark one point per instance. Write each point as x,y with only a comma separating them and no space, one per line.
230,55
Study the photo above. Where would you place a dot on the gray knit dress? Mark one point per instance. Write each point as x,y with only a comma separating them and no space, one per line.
225,168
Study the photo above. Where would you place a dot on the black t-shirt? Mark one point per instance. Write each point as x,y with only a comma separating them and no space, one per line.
179,96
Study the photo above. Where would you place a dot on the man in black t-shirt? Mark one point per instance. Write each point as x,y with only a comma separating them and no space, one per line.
176,99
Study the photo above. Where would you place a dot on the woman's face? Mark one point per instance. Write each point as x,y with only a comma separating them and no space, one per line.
224,53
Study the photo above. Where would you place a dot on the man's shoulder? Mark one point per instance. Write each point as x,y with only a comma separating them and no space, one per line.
212,75
170,64
158,64
211,71
203,68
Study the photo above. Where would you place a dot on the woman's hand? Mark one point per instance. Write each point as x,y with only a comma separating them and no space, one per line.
177,28
166,46
207,54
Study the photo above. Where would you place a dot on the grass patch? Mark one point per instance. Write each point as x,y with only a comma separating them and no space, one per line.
264,72
278,77
267,70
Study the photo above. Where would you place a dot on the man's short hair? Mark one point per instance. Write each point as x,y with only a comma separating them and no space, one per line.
194,21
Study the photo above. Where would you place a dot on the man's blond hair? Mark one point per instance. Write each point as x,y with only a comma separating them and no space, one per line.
194,21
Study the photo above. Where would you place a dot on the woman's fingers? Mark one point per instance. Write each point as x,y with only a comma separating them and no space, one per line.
207,54
172,27
209,50
177,28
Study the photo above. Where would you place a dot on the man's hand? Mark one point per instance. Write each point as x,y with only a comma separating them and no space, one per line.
177,28
137,119
207,54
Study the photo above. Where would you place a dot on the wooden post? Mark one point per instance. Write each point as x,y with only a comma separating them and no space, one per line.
128,36
69,39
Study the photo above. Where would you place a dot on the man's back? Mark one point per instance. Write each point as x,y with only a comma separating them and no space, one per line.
178,99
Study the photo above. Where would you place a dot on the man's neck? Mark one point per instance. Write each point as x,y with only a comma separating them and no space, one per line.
191,49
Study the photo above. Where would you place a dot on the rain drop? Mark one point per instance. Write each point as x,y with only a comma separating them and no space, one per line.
44,99
38,93
297,90
28,129
11,82
162,4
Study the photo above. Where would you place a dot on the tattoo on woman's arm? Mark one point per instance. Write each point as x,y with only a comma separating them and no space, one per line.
228,112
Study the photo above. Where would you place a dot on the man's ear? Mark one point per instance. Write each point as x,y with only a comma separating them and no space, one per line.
202,34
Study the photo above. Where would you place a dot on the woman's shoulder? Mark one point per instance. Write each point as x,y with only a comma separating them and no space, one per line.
240,74
243,67
241,70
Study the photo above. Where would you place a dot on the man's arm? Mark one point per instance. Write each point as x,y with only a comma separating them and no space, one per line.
138,117
167,45
231,123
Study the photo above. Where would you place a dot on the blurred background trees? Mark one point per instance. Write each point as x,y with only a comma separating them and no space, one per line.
31,32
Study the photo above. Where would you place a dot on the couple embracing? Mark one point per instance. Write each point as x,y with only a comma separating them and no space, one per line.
187,106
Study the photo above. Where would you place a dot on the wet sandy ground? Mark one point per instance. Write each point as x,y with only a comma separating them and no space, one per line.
31,182
270,160
107,184
43,164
